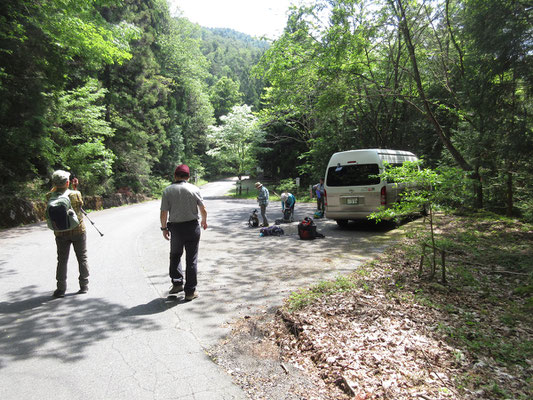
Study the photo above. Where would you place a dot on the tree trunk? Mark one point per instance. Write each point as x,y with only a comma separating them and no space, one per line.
478,189
509,211
509,164
458,157
106,80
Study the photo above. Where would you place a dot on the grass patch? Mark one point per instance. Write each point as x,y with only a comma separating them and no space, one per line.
304,297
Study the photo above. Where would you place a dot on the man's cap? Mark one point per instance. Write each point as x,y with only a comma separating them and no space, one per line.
258,185
284,196
60,177
182,169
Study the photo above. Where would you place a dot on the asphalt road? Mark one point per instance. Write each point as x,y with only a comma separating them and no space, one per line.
125,339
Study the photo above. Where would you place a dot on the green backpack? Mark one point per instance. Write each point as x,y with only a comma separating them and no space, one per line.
59,213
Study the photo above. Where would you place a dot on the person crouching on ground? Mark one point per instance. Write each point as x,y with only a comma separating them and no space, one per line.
76,237
179,222
262,200
287,203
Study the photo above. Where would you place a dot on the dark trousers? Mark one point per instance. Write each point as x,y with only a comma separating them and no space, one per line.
320,203
79,243
184,236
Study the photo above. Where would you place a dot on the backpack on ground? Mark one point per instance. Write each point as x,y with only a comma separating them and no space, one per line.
59,213
287,215
307,230
318,214
273,230
253,221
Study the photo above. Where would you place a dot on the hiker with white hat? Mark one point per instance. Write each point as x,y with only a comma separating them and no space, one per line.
262,199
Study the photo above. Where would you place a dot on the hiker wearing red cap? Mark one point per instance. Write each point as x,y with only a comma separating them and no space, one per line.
179,223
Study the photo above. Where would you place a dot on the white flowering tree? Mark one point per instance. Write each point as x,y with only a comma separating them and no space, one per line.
235,141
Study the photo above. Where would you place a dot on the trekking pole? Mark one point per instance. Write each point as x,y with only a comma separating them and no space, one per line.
92,223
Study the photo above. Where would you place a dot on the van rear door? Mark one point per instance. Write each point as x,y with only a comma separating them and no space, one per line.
353,188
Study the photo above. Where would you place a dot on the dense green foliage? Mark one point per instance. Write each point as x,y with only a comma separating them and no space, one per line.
49,51
120,91
231,57
117,92
448,80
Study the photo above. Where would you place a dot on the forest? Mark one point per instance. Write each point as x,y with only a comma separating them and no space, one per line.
119,92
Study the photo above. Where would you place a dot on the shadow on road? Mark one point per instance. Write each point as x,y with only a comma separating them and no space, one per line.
37,325
156,306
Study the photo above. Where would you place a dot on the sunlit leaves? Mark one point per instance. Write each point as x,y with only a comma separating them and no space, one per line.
79,113
78,127
234,141
92,163
76,27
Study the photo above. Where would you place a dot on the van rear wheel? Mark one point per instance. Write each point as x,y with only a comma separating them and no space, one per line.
343,223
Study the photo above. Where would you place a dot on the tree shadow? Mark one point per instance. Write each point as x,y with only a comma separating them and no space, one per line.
16,232
5,272
37,325
366,225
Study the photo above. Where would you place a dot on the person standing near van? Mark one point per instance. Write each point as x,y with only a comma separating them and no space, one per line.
262,200
320,195
179,223
65,238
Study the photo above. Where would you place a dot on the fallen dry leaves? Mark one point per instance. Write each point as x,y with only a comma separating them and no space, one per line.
371,347
383,340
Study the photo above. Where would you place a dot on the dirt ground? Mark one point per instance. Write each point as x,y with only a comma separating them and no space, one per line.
395,335
256,363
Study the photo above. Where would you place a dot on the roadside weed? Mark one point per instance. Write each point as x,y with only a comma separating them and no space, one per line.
304,297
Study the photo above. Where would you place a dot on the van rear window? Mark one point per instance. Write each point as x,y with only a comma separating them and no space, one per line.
353,175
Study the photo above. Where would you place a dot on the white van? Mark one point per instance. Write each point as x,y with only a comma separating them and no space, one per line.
353,189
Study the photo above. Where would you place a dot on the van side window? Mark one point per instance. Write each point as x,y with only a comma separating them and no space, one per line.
353,175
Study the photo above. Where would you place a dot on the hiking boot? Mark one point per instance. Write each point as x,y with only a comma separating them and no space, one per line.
191,296
83,289
176,288
59,293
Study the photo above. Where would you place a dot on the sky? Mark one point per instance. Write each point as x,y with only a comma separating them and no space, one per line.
253,17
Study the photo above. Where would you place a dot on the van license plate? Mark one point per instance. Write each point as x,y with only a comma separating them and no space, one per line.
352,200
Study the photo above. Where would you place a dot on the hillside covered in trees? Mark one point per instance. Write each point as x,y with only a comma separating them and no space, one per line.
120,92
116,92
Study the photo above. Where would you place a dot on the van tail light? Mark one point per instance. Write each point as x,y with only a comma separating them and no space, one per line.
325,197
384,196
